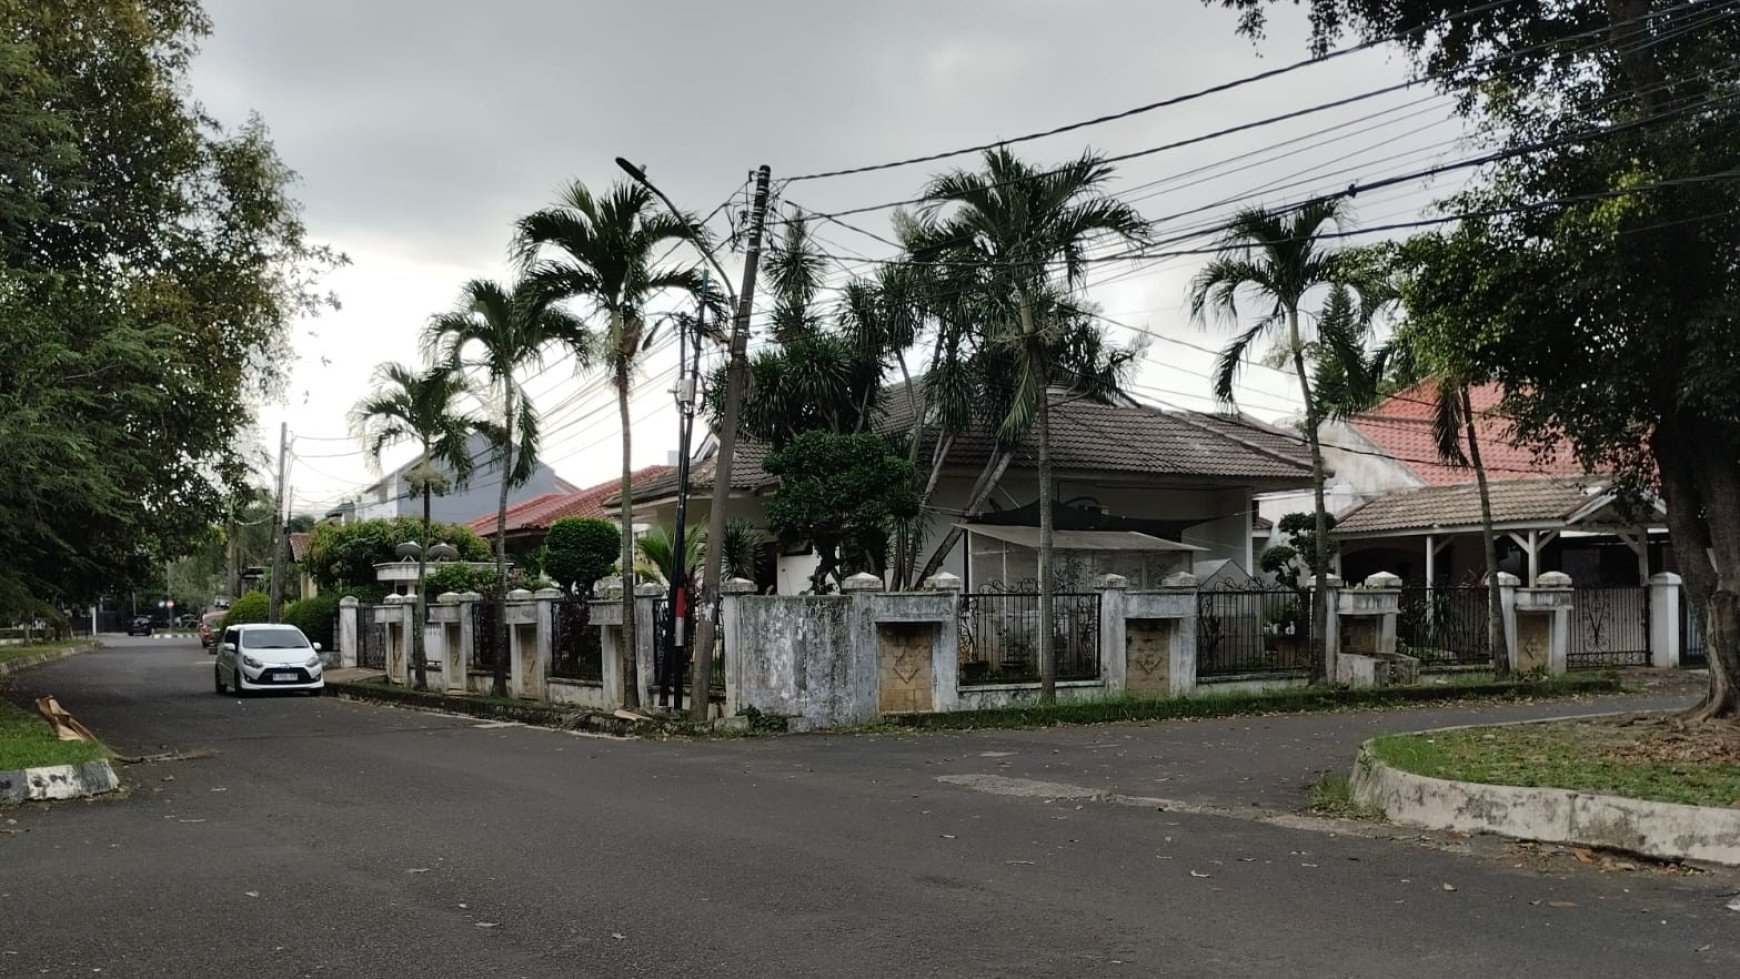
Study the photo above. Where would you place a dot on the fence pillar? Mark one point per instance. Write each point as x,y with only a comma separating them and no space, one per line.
945,669
1507,586
1543,625
1114,639
1332,627
520,611
347,632
1183,672
646,638
731,593
605,613
440,638
1665,642
392,614
458,672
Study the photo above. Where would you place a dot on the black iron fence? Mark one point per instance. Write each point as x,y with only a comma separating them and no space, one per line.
662,623
1692,652
371,639
999,637
1256,630
578,649
1444,625
1609,628
487,648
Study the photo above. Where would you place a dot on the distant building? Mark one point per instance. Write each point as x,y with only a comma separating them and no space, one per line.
394,496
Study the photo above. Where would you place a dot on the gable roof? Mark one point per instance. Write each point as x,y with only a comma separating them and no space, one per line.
1402,427
1543,503
540,511
1086,436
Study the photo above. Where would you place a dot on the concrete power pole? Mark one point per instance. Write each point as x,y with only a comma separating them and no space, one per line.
276,596
735,370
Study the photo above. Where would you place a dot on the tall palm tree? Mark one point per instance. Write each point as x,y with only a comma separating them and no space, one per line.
603,252
1278,257
1025,231
500,331
411,406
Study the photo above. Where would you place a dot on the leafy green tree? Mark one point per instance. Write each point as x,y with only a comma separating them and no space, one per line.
315,617
605,252
842,493
342,557
1605,247
743,548
1025,231
423,408
580,550
1280,258
658,547
501,332
151,262
250,608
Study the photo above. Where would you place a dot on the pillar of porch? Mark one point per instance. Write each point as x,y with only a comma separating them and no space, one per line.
1664,620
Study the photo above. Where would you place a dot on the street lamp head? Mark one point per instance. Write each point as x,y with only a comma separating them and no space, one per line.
637,173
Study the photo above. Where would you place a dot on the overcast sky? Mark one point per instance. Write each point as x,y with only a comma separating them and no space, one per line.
421,130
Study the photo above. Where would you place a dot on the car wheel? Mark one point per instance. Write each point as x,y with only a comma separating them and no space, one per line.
236,682
217,680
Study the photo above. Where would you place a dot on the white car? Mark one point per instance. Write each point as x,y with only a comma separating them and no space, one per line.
267,657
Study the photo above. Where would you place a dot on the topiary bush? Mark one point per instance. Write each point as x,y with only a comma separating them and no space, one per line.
252,607
580,550
315,617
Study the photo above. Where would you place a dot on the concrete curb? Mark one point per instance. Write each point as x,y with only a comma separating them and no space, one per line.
531,713
1657,829
13,666
51,782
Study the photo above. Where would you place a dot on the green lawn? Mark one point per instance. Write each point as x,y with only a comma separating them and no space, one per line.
1643,759
26,741
9,653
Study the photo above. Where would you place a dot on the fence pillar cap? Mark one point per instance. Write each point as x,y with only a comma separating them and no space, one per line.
737,586
547,594
1328,581
862,581
1506,580
605,586
1113,582
1665,578
519,595
393,599
943,581
470,596
1383,579
348,601
1554,579
448,598
648,589
1182,579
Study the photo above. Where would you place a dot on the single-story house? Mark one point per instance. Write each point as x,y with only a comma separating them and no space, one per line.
529,520
1136,487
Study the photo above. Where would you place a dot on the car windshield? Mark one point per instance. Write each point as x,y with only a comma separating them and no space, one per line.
285,638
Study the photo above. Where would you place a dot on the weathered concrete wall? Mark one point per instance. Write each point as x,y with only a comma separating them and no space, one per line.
802,657
57,782
1007,694
1658,829
578,693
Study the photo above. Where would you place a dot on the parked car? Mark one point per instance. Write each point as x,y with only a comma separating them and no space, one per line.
267,656
208,629
139,625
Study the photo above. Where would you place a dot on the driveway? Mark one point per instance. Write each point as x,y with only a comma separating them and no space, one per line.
328,838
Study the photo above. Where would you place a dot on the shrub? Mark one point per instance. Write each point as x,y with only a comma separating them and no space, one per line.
252,607
580,550
456,577
343,555
315,616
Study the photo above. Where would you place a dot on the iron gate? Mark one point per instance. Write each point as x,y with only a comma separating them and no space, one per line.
578,652
486,639
999,636
1444,626
1609,628
1252,630
1692,652
371,639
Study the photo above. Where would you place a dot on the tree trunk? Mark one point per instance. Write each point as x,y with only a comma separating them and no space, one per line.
420,655
630,650
1495,636
1038,376
983,487
498,683
1679,454
1320,556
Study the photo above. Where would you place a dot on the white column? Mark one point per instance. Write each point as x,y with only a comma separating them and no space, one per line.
731,592
1114,662
1431,562
347,632
1534,558
1665,641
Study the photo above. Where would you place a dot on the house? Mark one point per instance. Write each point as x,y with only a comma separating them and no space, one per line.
529,520
1401,509
1137,489
395,496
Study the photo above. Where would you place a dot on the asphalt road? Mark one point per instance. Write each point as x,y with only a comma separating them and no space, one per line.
323,838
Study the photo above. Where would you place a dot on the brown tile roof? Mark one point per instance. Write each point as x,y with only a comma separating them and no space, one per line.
1402,427
1085,437
299,545
1514,501
540,511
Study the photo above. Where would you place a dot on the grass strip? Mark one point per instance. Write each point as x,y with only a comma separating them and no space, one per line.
27,741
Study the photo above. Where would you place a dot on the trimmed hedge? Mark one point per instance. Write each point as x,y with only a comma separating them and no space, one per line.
252,607
315,617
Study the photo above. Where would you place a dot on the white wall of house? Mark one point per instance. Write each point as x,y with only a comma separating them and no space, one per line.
1358,473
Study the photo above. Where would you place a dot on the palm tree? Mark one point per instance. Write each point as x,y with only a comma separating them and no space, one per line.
1025,233
658,547
602,251
408,406
501,331
1277,256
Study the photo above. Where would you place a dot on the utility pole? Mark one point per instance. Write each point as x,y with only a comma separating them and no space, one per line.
671,682
276,597
735,370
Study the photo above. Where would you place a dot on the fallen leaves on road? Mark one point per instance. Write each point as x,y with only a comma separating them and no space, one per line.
417,870
487,924
1561,904
619,936
1197,873
1449,887
1734,905
1583,855
253,893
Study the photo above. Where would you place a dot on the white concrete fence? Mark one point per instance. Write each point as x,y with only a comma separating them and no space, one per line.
832,660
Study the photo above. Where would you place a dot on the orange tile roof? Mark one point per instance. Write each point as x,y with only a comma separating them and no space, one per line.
540,511
1402,427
